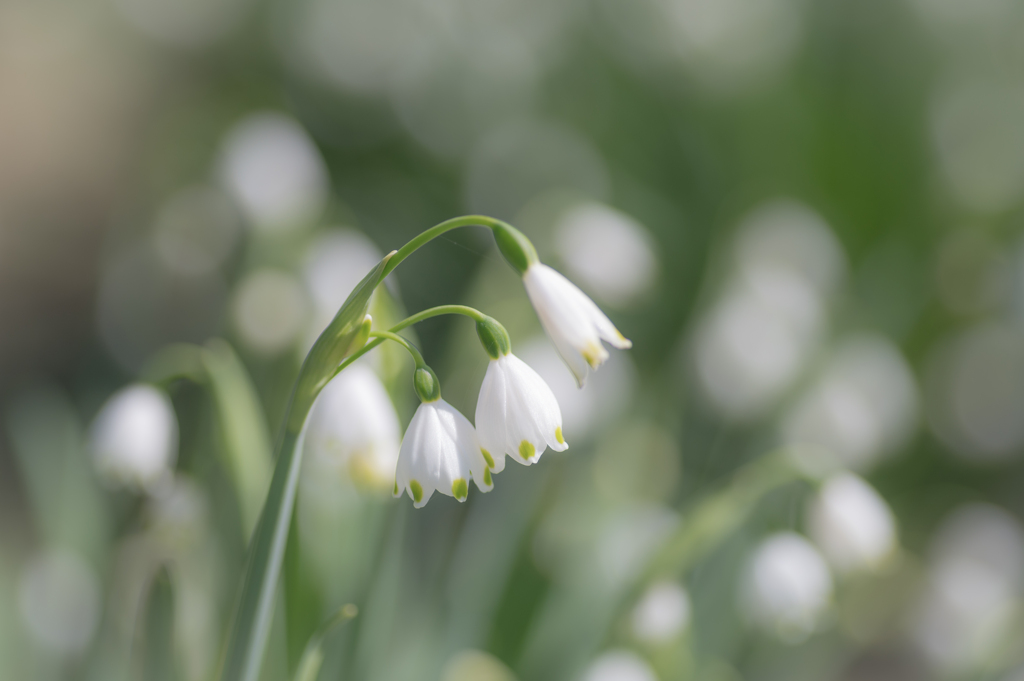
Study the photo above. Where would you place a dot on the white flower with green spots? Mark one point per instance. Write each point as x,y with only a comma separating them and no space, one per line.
440,452
571,319
516,414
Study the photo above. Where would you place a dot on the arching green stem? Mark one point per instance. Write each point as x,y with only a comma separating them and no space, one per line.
436,231
466,311
387,335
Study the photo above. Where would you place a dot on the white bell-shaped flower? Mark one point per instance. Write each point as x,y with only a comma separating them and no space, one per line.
134,439
354,426
516,414
852,524
571,319
440,451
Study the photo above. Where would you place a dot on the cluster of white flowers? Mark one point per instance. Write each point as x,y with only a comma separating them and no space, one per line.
354,424
516,413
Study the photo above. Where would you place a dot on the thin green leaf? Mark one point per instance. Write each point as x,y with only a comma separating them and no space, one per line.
154,647
246,442
313,655
266,552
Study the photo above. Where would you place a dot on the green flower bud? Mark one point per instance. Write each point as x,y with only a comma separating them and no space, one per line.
514,245
428,388
494,337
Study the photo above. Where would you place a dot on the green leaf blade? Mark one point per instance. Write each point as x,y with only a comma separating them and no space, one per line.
266,552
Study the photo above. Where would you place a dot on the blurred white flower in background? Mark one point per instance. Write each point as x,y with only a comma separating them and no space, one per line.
976,573
353,429
974,382
59,600
134,438
787,236
748,352
609,391
196,230
619,665
274,171
453,93
269,310
729,47
335,262
978,131
786,587
733,44
662,614
752,344
183,23
863,405
609,253
851,524
359,45
475,665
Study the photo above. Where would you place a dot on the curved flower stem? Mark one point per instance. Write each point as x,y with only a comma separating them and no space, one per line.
387,335
466,311
436,231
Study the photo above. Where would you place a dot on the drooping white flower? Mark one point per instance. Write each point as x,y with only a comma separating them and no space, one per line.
852,524
571,319
440,451
60,600
134,439
662,613
516,414
787,587
353,424
619,665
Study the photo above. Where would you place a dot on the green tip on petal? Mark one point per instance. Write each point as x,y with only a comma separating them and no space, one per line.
487,457
487,476
558,435
396,488
417,491
460,489
592,354
526,450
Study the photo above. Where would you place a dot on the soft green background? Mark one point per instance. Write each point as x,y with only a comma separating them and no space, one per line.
900,123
